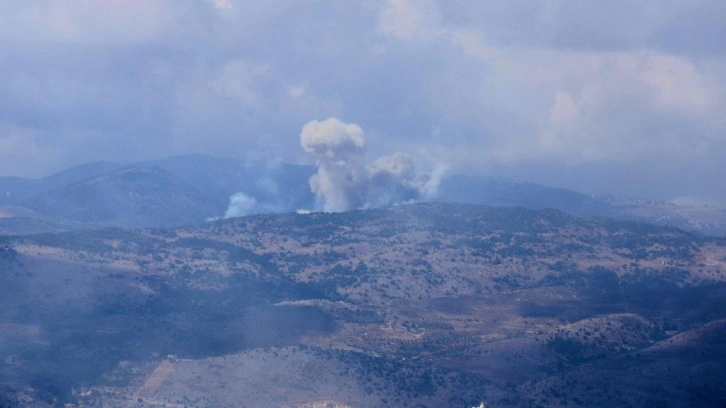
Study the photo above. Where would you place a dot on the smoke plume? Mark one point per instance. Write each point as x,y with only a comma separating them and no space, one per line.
343,182
240,204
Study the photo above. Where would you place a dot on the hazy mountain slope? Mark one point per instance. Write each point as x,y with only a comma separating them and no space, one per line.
14,190
507,193
277,187
134,196
702,219
416,305
498,192
80,172
282,187
215,177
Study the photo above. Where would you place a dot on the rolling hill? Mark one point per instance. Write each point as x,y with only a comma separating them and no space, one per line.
417,305
208,183
135,196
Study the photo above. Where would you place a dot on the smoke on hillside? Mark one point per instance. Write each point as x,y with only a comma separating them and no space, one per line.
344,182
341,179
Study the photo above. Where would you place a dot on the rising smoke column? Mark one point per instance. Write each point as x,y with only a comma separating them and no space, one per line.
391,181
338,148
343,182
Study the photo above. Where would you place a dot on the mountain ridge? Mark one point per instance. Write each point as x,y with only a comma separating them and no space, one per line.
280,187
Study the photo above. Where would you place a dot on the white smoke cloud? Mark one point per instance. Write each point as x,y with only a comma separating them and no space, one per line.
223,4
332,138
343,182
240,204
338,149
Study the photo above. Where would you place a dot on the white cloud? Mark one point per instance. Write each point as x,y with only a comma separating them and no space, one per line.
239,80
506,84
564,109
20,146
619,104
90,22
581,106
409,19
296,91
676,84
223,4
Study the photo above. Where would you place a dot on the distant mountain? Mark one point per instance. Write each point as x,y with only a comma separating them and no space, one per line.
182,190
280,186
507,193
499,192
80,172
134,196
701,219
418,305
275,187
218,178
15,190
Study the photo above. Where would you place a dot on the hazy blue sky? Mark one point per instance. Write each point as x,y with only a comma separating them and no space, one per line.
602,96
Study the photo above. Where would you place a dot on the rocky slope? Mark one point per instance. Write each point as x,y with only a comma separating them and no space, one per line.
420,305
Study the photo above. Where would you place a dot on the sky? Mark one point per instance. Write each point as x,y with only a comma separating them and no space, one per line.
621,97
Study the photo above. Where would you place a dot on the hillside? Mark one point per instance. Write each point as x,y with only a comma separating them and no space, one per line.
15,190
418,305
168,192
280,186
135,196
85,196
705,220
